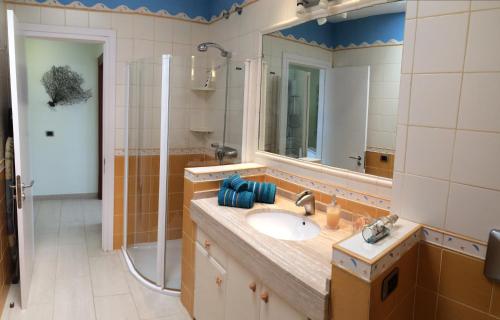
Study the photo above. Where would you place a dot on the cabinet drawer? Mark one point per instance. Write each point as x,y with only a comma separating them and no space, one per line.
211,247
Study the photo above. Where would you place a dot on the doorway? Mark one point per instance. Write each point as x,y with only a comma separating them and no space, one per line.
100,211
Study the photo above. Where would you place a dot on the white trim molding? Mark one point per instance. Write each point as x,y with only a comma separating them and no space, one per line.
108,39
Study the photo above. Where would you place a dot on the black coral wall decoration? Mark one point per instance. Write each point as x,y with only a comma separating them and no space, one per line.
64,86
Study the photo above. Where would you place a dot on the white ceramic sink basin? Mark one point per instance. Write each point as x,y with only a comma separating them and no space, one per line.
282,224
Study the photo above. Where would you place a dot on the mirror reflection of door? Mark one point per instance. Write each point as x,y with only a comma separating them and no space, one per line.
345,117
330,89
301,113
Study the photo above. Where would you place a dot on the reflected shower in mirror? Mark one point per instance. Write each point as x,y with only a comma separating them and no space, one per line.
330,89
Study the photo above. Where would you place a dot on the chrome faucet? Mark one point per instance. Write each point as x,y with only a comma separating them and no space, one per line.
306,199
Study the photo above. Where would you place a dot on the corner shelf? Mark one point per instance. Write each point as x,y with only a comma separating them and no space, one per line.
201,130
205,89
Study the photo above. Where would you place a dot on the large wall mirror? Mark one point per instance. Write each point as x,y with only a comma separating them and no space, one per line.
330,89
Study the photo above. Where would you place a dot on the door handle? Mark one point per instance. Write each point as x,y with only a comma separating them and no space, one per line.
357,158
28,186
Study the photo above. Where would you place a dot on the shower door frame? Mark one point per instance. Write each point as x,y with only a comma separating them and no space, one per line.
159,285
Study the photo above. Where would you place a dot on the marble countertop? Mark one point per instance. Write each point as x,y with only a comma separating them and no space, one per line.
299,271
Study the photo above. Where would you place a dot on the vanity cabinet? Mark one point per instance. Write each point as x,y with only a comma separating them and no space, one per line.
210,286
229,291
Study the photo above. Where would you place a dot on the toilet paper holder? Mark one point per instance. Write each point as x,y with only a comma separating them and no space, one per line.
492,262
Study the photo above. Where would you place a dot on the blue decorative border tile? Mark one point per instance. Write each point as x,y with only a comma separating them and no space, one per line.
454,242
377,43
339,191
191,12
370,272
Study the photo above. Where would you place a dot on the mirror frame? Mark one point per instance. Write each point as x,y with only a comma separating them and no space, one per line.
269,158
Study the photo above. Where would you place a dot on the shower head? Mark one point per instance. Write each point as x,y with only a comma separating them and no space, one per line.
203,47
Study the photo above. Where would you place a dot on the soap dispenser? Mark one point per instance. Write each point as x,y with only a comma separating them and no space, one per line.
333,214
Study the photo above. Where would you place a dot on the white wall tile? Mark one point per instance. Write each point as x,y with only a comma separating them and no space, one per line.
408,46
485,4
472,211
77,18
399,161
483,46
434,99
162,48
475,160
143,49
438,7
100,20
429,152
182,32
404,98
121,73
397,193
123,24
480,102
411,9
144,27
424,200
28,14
163,29
53,16
440,43
124,50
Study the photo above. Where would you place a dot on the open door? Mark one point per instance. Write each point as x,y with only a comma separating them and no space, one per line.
345,117
24,197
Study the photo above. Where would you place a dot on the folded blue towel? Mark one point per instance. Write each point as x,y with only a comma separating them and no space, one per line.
236,183
231,198
264,192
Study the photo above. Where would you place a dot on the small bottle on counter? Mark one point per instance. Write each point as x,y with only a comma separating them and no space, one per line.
379,229
333,214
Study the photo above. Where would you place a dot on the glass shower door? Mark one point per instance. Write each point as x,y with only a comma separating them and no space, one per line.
146,159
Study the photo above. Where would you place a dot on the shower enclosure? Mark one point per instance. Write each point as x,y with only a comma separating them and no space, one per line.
182,111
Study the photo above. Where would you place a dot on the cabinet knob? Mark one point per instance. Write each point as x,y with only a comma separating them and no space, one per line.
264,296
218,281
207,244
252,286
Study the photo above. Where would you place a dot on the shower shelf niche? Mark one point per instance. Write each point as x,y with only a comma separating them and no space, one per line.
206,89
201,130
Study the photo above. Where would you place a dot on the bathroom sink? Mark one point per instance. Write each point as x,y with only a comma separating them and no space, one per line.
283,224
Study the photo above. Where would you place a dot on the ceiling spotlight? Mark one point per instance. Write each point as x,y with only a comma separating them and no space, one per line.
322,21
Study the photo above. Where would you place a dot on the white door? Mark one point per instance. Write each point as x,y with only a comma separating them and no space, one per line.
19,95
345,117
272,307
209,287
242,293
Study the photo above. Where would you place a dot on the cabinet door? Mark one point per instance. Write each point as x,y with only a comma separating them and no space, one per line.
209,287
272,307
242,293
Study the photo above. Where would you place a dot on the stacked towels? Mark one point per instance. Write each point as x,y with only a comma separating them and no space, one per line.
237,192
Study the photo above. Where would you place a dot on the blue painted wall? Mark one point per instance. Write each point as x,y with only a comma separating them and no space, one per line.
192,8
370,29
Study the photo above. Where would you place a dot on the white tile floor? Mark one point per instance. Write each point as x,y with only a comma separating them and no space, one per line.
74,279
